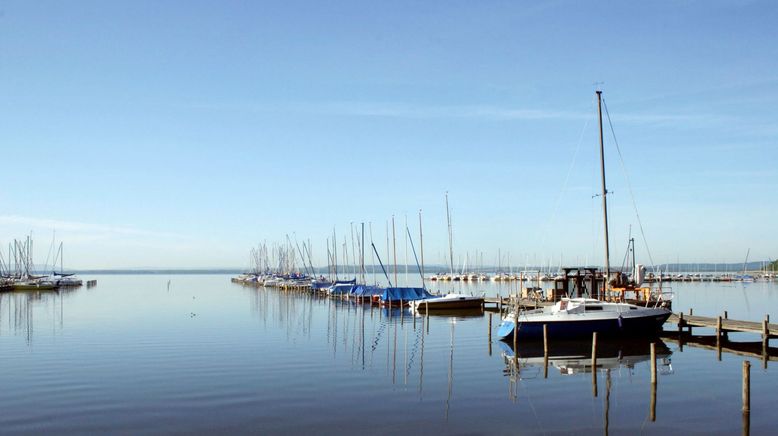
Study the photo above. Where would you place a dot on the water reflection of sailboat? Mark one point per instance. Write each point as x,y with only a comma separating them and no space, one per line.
574,357
450,368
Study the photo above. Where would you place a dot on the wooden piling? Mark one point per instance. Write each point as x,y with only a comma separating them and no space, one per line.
515,332
680,331
490,333
653,363
765,334
746,386
594,364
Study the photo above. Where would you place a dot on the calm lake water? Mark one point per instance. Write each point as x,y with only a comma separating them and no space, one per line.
157,354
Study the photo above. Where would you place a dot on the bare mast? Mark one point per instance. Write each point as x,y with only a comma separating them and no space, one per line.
450,237
604,192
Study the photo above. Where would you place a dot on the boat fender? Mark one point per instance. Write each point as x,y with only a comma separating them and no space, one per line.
620,318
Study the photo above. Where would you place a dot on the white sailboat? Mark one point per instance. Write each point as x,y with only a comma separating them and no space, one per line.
580,317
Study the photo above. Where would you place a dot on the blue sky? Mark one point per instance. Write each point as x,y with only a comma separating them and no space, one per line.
181,134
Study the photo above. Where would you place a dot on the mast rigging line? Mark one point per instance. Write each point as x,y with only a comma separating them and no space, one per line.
567,177
629,185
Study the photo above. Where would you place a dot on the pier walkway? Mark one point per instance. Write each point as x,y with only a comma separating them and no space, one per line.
723,325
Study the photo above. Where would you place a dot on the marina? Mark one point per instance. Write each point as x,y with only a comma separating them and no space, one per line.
388,218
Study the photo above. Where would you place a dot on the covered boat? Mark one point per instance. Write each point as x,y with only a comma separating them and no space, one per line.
402,296
366,293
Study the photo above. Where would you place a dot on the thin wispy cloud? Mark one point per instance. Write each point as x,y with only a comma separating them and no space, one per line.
94,231
402,110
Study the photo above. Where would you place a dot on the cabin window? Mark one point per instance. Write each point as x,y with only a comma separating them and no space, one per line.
633,308
592,307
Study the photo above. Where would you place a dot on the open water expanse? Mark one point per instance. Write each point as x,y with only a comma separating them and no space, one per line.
182,354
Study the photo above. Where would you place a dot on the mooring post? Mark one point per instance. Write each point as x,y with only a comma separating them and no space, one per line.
680,331
515,332
765,335
691,313
594,364
653,363
490,333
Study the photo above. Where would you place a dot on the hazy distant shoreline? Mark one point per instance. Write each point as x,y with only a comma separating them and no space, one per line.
346,270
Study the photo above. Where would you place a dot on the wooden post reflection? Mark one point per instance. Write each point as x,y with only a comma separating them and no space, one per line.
545,351
594,364
718,338
746,386
652,407
607,399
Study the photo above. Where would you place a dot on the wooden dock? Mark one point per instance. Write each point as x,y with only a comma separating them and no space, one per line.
724,325
719,341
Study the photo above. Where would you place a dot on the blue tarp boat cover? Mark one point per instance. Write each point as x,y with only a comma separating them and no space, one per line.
339,289
404,294
366,291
